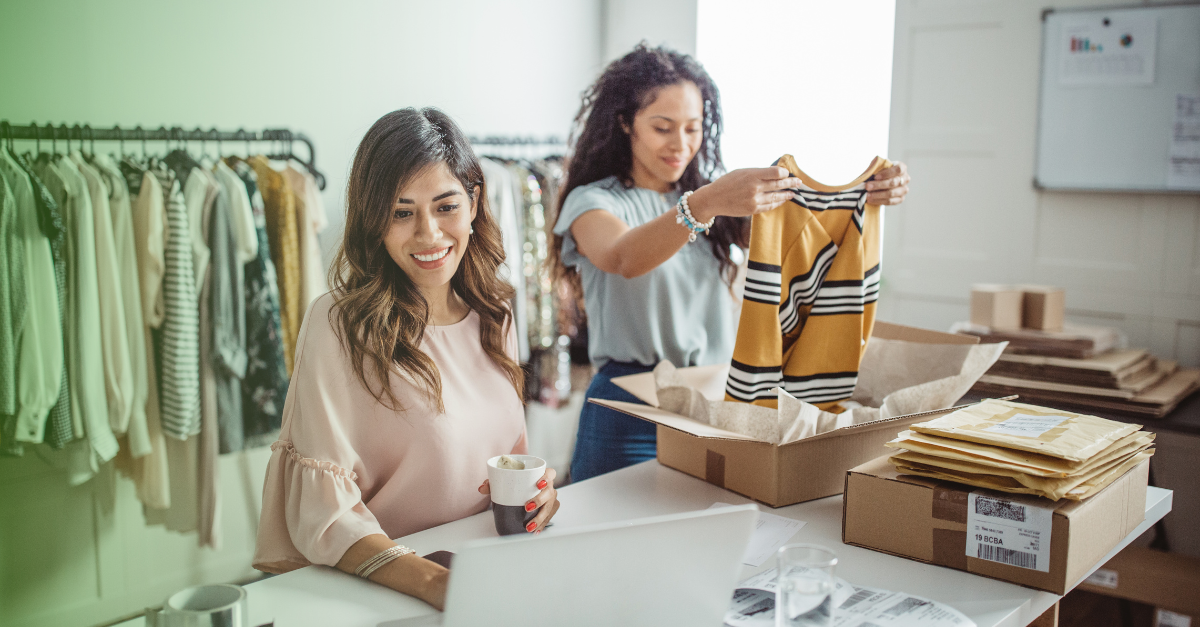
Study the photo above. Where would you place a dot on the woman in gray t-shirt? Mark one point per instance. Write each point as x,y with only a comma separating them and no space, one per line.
643,182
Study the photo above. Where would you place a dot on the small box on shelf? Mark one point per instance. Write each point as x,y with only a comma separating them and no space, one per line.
996,306
1044,307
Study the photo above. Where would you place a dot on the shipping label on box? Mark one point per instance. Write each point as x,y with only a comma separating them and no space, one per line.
1008,530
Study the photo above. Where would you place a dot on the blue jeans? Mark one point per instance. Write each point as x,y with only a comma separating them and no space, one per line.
609,440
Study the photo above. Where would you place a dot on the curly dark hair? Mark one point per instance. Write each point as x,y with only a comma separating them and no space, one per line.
600,147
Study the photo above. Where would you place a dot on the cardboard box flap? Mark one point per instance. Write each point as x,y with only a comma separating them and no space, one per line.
709,380
673,421
889,331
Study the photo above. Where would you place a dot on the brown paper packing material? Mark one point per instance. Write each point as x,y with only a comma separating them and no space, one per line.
1056,433
798,453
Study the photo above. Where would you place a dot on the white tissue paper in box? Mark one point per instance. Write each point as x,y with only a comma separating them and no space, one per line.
895,378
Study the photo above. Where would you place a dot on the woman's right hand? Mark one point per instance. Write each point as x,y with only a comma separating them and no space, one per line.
743,192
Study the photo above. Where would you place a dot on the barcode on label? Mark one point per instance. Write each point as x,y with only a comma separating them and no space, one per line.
1007,556
999,509
857,598
1167,618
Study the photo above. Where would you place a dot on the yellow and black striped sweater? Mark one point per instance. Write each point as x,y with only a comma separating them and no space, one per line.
811,288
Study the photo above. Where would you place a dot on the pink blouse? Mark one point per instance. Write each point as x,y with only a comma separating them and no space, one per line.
345,466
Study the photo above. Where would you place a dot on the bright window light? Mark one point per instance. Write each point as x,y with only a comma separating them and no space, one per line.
812,78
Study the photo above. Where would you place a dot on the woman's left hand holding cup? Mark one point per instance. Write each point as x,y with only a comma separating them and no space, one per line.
546,499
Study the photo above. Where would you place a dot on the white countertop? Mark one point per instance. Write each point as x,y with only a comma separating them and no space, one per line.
320,596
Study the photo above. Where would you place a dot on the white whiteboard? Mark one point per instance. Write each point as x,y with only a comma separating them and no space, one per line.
1110,115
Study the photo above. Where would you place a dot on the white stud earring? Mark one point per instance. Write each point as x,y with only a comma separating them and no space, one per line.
472,230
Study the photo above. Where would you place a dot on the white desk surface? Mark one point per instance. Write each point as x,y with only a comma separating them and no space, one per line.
320,596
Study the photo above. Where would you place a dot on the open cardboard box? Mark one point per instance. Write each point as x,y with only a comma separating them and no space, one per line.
776,475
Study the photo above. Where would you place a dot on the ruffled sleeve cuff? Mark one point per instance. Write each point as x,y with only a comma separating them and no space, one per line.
312,512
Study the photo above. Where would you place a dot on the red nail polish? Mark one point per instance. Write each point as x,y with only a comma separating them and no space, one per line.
530,506
541,484
531,526
537,532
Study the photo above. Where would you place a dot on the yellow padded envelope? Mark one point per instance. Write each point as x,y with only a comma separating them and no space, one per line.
1071,488
933,447
1050,432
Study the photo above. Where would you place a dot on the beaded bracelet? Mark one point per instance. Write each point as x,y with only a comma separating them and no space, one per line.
381,559
684,216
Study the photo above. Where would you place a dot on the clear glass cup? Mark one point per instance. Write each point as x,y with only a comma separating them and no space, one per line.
804,597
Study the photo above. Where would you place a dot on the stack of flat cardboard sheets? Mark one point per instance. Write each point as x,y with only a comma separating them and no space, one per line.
1024,449
1080,368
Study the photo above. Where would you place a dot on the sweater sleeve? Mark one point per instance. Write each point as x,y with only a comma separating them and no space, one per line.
313,509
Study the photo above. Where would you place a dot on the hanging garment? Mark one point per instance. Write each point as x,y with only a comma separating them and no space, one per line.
131,297
85,354
504,210
196,192
180,335
241,213
150,473
310,219
208,505
12,309
283,234
40,344
118,375
811,288
265,384
58,430
227,307
9,319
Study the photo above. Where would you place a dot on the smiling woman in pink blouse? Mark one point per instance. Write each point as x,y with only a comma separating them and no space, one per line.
406,379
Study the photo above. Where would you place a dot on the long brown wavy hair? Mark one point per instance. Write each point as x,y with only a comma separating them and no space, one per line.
601,147
379,314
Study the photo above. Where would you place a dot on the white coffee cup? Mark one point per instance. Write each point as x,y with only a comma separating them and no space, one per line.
512,489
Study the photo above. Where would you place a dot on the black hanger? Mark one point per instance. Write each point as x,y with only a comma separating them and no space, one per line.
91,135
217,136
37,137
120,140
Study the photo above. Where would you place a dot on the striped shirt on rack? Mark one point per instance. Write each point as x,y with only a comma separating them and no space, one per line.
179,337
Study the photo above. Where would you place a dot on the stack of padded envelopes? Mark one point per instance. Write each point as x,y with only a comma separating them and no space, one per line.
1024,449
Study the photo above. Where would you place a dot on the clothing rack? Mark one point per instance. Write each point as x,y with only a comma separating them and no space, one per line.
282,137
519,146
516,140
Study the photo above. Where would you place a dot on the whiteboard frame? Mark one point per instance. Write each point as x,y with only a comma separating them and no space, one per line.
1042,68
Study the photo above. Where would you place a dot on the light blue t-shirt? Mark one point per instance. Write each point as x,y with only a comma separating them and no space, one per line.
680,311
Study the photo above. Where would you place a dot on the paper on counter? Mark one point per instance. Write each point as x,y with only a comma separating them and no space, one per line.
753,605
770,533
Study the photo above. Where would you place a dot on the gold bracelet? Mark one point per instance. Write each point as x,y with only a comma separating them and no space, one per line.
380,559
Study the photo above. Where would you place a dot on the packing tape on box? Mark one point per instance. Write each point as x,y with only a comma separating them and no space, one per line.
949,545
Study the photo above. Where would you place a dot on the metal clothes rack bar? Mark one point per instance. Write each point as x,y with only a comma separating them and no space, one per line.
284,138
516,140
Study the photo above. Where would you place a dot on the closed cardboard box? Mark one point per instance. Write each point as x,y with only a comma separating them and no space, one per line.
1037,543
1166,580
1044,307
997,307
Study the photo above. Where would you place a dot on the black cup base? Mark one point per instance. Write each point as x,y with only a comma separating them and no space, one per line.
511,519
